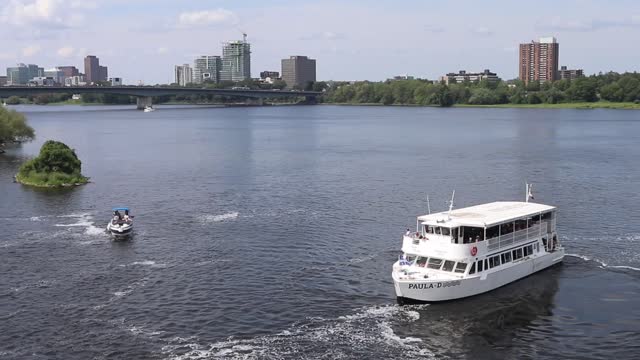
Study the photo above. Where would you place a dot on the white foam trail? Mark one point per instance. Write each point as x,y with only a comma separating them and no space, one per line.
604,264
624,267
219,218
366,328
150,263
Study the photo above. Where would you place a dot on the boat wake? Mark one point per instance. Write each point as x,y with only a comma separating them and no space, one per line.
209,218
602,264
368,331
149,263
85,221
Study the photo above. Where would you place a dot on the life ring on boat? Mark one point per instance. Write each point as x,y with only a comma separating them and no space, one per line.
474,251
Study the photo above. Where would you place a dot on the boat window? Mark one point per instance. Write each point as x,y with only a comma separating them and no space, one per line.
472,234
486,264
535,247
517,254
410,258
547,216
533,220
506,257
448,265
429,229
493,231
480,263
520,225
506,229
473,268
422,261
494,261
528,250
446,231
454,234
434,263
461,267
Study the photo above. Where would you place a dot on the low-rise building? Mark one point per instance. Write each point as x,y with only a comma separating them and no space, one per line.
116,81
402,77
463,76
3,80
42,81
269,74
569,74
77,80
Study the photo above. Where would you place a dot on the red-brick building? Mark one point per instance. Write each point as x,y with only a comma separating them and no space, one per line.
539,60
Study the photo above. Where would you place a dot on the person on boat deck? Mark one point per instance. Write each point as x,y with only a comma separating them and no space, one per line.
408,233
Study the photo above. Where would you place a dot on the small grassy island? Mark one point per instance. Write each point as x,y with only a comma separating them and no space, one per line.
57,165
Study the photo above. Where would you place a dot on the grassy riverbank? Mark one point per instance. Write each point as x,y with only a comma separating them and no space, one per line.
575,105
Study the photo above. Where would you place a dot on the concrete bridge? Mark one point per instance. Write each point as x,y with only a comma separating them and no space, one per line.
144,94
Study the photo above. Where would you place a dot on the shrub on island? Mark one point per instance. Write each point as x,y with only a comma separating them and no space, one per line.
56,165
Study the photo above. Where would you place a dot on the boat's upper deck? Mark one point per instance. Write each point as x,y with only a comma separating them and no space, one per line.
485,215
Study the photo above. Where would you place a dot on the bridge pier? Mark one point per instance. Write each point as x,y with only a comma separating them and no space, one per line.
143,101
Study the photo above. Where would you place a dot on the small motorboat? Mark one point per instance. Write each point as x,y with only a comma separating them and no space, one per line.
120,225
149,109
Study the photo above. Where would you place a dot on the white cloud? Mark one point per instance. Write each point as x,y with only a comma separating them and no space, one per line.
42,13
561,24
207,18
30,50
66,51
482,30
327,35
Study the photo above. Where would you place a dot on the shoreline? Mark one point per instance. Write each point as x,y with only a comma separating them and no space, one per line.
578,105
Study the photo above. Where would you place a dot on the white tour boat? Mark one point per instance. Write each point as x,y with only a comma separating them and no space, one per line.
469,251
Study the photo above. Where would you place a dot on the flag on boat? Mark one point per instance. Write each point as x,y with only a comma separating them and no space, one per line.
403,260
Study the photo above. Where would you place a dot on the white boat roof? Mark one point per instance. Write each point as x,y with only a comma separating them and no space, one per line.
486,214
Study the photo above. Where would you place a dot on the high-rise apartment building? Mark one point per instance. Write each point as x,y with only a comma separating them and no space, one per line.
539,60
297,71
91,69
183,75
236,61
207,67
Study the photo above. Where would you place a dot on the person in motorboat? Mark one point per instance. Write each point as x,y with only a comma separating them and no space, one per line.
127,218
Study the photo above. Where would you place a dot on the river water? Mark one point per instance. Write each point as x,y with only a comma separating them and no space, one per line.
269,233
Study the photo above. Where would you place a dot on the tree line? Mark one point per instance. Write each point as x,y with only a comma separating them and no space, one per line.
613,87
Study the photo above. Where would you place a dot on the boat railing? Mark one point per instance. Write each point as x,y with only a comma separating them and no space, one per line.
502,241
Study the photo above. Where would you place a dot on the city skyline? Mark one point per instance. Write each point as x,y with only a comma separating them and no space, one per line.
420,39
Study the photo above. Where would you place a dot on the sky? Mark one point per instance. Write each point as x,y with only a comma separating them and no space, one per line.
142,40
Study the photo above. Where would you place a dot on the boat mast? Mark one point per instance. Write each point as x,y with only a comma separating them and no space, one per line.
428,205
451,204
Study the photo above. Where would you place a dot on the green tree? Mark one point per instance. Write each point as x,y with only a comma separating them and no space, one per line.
13,100
14,128
583,89
482,96
56,165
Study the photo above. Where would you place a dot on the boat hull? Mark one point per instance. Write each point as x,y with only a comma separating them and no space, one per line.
445,290
120,230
